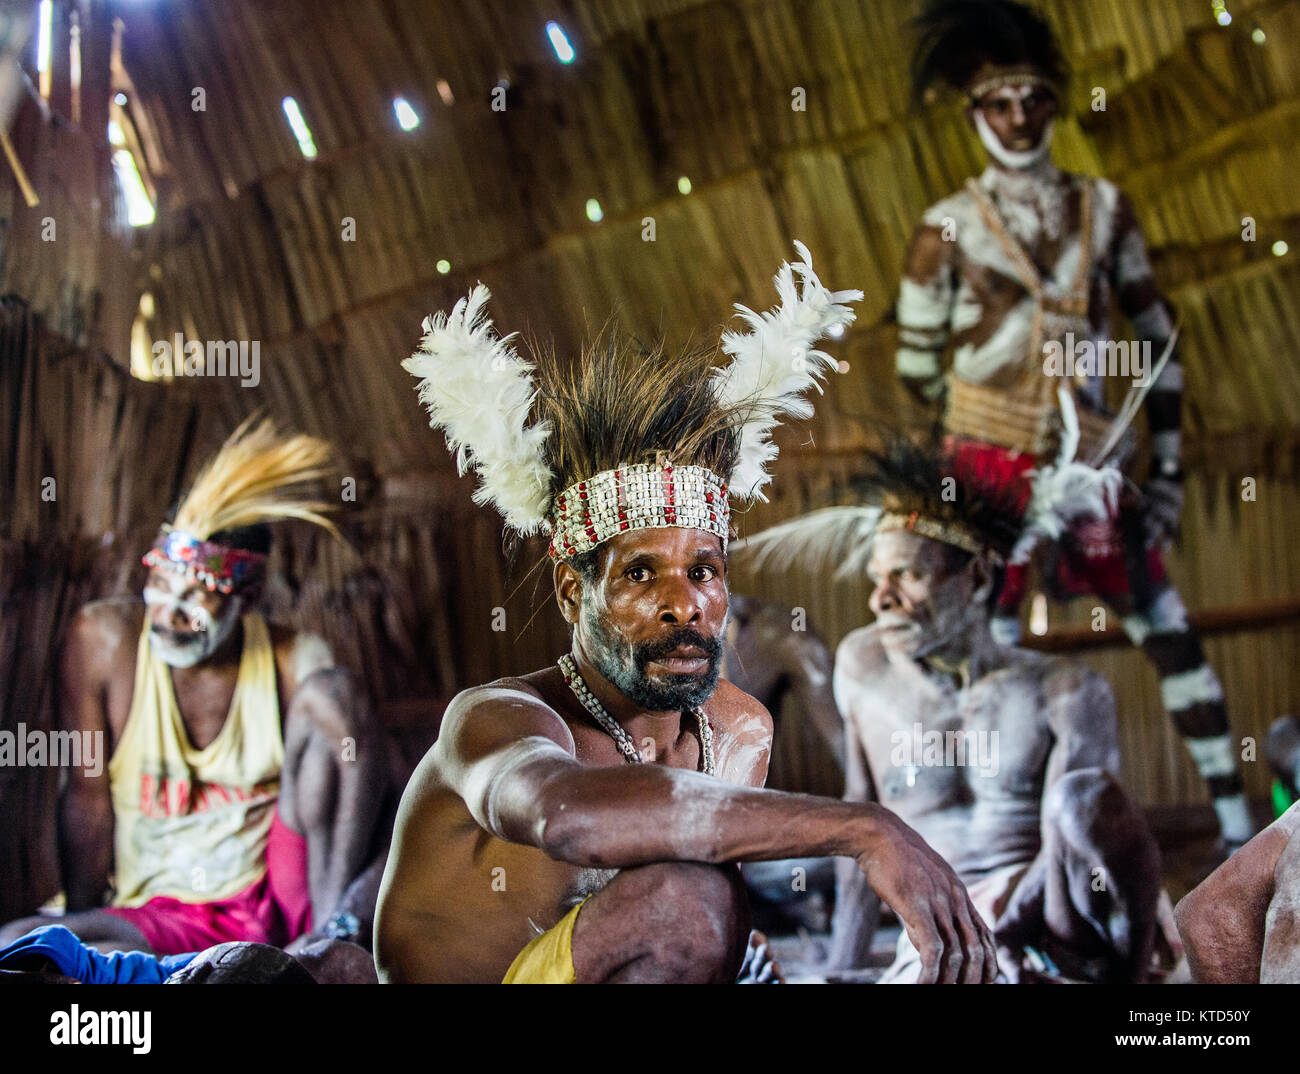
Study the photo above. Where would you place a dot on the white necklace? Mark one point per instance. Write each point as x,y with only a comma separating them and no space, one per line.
616,730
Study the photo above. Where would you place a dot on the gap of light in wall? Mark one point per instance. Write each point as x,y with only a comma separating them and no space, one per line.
684,185
119,99
594,212
139,209
44,35
116,137
406,117
1258,36
1280,248
444,91
1038,615
1221,14
299,125
444,266
563,50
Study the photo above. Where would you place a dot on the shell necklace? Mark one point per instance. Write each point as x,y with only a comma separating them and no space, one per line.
617,731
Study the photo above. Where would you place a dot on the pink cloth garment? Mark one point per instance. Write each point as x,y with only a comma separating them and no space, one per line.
275,910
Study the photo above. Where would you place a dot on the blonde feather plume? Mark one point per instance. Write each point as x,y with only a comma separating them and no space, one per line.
774,364
480,393
1066,491
247,482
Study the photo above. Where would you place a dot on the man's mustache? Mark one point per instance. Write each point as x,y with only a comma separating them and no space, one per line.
678,638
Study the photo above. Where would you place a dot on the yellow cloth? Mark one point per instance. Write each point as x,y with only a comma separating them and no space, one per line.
188,823
548,959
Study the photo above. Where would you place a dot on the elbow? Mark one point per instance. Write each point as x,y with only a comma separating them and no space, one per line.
560,830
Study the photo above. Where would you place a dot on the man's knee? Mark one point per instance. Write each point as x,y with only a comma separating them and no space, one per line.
1088,808
22,926
696,918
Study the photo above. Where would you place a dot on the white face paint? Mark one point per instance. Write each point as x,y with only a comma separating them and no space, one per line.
171,595
1017,160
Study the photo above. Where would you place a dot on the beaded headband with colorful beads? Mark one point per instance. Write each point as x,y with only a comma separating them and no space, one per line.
636,497
218,568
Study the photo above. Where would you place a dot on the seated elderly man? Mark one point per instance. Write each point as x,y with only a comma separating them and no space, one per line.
1004,760
245,776
583,822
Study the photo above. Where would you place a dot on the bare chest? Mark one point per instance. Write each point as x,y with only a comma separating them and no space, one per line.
937,747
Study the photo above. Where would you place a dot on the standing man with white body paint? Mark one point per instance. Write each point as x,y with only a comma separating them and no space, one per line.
1022,263
582,823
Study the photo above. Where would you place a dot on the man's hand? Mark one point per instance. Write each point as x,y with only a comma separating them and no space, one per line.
955,945
759,966
1162,508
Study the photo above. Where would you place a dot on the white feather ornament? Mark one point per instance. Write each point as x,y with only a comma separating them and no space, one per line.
775,363
831,542
480,393
1066,492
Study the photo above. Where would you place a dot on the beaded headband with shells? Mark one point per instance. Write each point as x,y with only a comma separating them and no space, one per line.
625,439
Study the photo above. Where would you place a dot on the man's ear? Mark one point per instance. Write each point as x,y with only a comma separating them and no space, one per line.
568,591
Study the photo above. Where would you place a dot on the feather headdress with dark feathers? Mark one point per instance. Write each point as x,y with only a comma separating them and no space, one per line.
905,478
531,429
956,38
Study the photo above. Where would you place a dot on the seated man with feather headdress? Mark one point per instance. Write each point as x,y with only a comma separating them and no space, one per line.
245,778
1004,760
583,822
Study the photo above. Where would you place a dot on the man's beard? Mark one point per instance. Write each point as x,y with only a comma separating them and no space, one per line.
186,650
624,665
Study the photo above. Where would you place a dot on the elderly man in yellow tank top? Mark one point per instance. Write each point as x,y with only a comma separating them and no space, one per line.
245,775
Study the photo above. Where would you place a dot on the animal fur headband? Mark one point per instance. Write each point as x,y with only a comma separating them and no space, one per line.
257,476
625,439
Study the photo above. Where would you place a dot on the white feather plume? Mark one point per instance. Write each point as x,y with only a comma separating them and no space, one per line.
831,542
1067,491
480,393
774,363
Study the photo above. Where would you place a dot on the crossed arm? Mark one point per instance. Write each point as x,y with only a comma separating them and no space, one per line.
511,759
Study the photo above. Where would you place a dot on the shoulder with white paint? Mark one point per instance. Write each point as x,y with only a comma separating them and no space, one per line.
955,207
737,711
1080,690
107,625
311,653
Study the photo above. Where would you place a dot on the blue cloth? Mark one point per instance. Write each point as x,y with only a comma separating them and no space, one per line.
75,959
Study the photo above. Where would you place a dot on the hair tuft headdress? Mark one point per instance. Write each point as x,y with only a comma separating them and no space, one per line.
257,476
